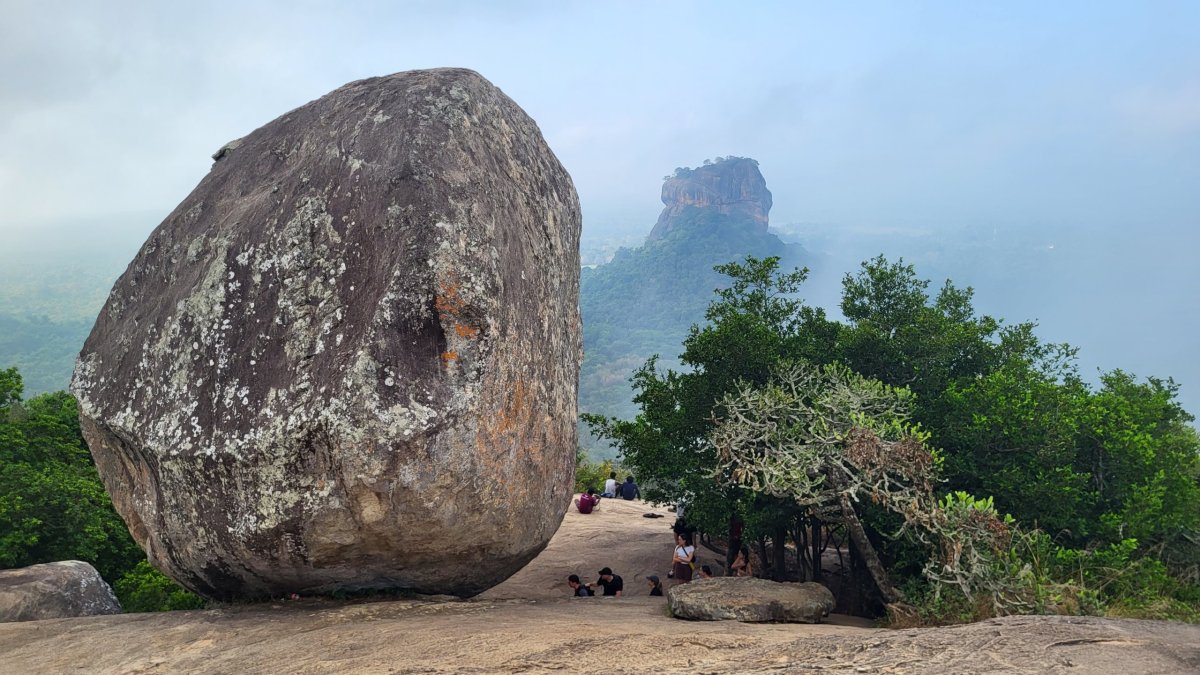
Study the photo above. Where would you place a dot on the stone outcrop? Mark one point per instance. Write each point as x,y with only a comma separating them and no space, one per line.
55,590
731,187
349,359
751,600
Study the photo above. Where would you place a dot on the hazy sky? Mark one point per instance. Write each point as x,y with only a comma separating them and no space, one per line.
894,113
1084,116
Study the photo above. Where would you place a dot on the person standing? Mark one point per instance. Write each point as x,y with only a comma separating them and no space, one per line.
629,489
682,559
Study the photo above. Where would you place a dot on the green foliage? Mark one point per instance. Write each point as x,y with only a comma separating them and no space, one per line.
1016,422
1091,467
145,589
590,474
666,446
1112,473
52,504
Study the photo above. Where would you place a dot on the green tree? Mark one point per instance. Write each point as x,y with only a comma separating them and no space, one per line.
54,507
750,327
1094,468
145,589
898,334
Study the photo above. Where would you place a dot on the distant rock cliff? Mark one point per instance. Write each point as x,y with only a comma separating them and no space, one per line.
644,301
732,187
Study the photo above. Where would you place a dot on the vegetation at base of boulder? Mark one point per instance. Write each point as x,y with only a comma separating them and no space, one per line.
53,506
1102,483
145,589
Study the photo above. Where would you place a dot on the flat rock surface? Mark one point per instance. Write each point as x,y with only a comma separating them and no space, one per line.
548,632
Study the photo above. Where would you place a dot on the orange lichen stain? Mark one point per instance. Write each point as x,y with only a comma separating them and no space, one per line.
509,440
465,331
516,412
450,356
447,302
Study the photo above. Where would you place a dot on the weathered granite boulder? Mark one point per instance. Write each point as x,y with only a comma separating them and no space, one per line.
732,187
349,359
750,599
55,590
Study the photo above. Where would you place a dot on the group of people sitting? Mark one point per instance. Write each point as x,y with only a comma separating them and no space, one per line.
588,501
607,584
683,563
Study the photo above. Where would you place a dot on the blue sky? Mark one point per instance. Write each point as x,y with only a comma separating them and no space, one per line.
1078,117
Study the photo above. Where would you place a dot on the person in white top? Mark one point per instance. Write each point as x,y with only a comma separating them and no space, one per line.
610,486
681,561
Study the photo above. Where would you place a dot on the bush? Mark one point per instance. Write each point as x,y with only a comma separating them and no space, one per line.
145,589
590,474
1043,578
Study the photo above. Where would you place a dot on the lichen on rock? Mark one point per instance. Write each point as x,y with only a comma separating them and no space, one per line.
349,359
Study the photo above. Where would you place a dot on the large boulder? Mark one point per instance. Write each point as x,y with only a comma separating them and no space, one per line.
55,590
750,599
348,360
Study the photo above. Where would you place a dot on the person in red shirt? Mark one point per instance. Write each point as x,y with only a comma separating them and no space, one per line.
587,501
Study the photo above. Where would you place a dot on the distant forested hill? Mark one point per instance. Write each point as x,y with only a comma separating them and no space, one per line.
54,279
644,301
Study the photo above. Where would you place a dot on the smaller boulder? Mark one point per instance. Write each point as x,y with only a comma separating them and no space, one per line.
54,591
751,600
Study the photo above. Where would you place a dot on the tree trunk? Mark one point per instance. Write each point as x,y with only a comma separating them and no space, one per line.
858,536
779,566
762,555
800,534
735,539
817,549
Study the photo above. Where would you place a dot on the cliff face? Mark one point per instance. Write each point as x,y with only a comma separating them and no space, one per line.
732,187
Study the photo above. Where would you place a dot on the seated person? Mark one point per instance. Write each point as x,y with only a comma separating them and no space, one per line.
579,589
629,489
741,564
655,584
705,572
611,583
610,486
587,501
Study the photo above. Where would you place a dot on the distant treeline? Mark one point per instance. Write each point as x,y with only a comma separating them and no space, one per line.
44,350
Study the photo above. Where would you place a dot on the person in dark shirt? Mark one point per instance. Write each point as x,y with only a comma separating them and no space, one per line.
655,584
580,590
629,489
611,583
